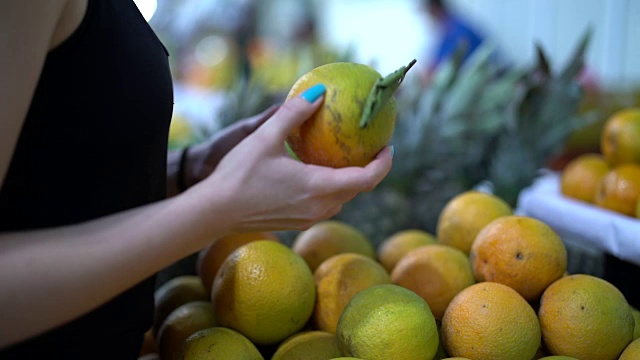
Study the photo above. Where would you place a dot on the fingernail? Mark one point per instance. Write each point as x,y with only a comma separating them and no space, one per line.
313,93
393,150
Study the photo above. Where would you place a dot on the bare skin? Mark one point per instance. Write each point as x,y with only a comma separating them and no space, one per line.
39,269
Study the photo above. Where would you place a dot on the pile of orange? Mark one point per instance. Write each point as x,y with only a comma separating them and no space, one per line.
509,298
609,179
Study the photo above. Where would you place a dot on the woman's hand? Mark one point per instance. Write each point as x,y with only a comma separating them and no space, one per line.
203,158
257,186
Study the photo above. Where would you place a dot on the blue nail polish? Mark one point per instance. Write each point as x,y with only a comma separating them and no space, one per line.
393,150
313,93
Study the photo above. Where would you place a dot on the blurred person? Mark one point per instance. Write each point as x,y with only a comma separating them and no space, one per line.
456,34
85,221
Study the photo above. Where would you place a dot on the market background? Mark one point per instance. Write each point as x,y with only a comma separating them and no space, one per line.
233,58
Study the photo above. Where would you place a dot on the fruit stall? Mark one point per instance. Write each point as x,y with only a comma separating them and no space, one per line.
507,228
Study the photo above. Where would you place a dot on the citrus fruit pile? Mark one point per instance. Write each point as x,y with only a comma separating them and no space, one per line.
609,179
488,284
500,291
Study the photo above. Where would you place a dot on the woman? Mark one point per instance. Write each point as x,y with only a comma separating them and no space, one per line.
85,105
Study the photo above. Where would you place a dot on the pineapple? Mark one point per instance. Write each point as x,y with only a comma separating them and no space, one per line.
476,126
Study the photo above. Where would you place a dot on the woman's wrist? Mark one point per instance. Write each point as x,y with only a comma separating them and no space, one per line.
181,177
177,172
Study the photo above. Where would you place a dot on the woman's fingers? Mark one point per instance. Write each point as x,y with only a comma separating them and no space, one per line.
295,111
355,179
254,122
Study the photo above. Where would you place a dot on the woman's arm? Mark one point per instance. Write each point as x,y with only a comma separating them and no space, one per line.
50,276
201,159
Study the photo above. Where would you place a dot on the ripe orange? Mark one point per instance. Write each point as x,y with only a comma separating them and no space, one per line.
521,252
388,322
585,317
619,142
211,257
465,215
265,291
490,321
331,237
619,189
435,272
338,279
397,245
182,323
219,343
581,177
632,351
336,134
310,345
636,328
173,293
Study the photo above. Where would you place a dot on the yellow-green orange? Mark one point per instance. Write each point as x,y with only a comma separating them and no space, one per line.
398,244
265,291
632,351
331,237
333,136
309,345
465,215
636,318
619,189
581,177
619,142
175,292
338,279
490,321
558,357
585,317
211,258
182,323
521,252
435,272
219,343
388,322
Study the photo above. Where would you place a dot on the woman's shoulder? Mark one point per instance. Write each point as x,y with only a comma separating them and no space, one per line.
70,17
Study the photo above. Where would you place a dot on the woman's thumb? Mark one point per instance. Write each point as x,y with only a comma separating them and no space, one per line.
296,111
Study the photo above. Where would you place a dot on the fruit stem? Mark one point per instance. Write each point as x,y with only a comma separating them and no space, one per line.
381,92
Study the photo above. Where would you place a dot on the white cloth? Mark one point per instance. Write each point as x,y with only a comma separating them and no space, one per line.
608,231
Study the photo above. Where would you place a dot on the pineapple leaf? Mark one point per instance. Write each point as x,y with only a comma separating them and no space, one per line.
543,67
577,61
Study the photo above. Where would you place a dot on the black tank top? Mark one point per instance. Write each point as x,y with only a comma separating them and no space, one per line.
94,142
